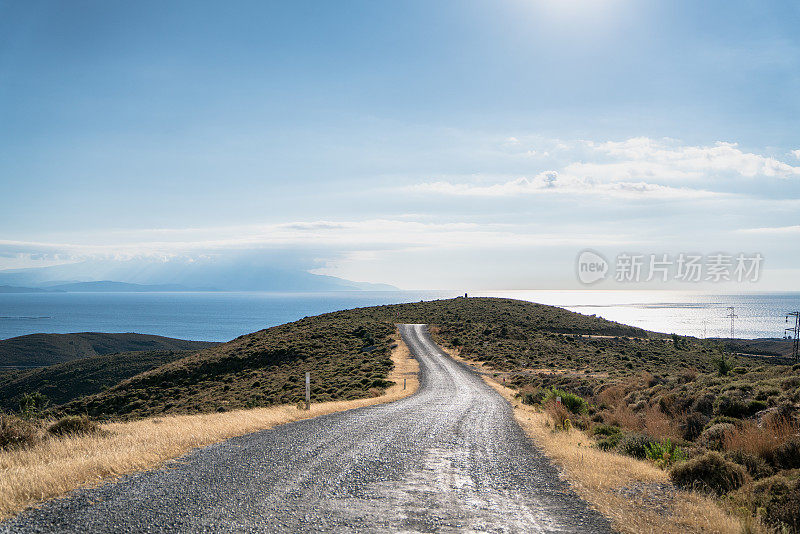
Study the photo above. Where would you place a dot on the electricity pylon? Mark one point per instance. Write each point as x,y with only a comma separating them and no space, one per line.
794,332
732,316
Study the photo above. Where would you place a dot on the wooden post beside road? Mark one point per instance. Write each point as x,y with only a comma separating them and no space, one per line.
308,391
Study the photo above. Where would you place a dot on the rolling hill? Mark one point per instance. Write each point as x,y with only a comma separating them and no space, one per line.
39,350
67,381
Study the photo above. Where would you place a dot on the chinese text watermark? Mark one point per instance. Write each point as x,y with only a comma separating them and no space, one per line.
683,267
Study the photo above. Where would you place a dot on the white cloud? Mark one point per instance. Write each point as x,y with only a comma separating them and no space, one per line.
635,168
778,230
796,153
551,182
668,159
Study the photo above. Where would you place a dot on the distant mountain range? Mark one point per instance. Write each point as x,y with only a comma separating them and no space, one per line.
150,276
15,289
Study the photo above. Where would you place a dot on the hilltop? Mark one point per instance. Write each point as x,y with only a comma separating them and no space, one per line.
39,350
347,353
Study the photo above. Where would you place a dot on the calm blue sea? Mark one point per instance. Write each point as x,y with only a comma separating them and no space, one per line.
223,316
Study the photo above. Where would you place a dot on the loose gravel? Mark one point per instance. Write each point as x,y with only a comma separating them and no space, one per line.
449,458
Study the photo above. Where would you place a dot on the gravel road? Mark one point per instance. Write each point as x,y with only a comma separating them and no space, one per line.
449,458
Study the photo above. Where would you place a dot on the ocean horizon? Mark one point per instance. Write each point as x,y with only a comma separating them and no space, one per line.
222,316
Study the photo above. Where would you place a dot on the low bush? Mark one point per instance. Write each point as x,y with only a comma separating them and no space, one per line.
634,445
756,466
733,406
787,455
714,436
16,432
532,397
710,472
609,443
605,430
724,419
778,500
73,425
691,426
572,402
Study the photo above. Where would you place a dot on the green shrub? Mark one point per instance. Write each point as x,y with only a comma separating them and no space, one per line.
714,436
532,397
709,472
634,445
605,430
737,407
665,453
722,364
787,455
33,404
571,402
704,404
756,466
610,442
73,425
16,432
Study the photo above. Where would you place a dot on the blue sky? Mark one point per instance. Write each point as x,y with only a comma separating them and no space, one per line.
424,144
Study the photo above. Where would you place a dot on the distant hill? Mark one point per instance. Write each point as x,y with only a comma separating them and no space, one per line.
347,353
16,289
37,350
763,346
67,381
105,286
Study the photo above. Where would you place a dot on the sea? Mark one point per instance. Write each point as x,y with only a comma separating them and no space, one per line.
222,316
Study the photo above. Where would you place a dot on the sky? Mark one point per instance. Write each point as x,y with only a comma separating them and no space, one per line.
425,144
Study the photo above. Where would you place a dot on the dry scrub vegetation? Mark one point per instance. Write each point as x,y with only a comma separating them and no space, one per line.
636,495
57,464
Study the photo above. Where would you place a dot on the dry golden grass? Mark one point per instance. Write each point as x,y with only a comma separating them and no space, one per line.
760,440
597,476
56,466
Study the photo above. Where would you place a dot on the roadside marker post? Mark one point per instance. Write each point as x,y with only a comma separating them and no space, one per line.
404,383
308,390
558,400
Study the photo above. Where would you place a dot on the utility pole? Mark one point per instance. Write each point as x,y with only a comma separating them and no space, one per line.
308,390
794,332
732,316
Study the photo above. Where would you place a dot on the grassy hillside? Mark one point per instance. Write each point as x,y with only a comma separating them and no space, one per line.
67,381
39,350
348,357
347,353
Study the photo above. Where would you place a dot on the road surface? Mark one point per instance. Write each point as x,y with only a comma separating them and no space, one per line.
449,458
